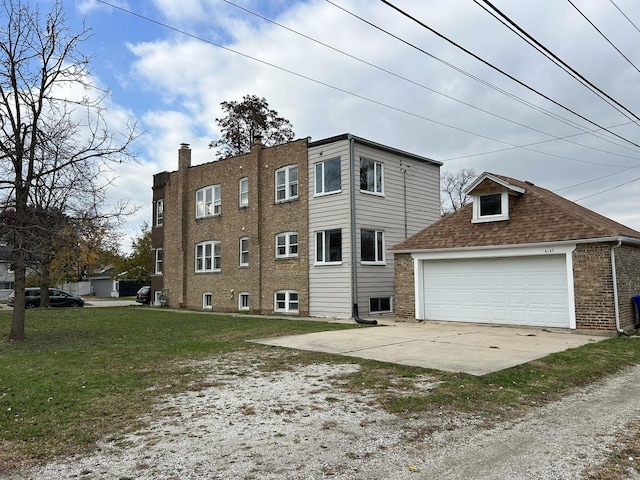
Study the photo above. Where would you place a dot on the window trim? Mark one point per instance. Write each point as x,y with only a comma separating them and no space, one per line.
322,184
378,235
504,209
326,252
288,245
159,213
246,252
287,300
213,244
243,194
287,184
205,296
377,312
375,177
158,262
216,202
242,295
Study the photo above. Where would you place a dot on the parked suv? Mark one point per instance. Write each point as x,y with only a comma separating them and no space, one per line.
144,296
57,298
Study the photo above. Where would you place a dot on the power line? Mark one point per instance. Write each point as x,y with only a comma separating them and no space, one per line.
607,190
594,179
511,77
625,16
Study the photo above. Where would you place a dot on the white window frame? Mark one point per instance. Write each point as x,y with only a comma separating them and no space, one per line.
378,177
287,245
207,301
323,249
285,298
287,189
375,312
378,246
504,209
206,262
320,177
158,261
244,251
243,192
242,296
209,207
159,213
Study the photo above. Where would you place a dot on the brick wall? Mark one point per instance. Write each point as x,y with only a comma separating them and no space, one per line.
628,275
404,287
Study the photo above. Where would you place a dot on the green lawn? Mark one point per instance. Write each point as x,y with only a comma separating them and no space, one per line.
88,373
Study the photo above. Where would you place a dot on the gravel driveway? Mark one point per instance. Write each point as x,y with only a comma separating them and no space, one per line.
245,424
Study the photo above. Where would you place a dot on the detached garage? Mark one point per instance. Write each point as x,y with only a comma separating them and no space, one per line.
520,255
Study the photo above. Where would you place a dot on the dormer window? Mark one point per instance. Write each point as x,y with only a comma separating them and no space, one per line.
493,207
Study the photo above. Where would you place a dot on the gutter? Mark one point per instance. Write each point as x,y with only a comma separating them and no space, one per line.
615,288
354,240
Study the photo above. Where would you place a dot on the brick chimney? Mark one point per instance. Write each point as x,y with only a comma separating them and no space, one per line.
184,156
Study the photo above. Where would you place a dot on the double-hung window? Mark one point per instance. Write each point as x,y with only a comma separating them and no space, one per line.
329,246
243,192
207,300
286,301
158,261
371,176
372,246
287,245
243,301
208,257
244,252
159,213
327,176
208,201
287,183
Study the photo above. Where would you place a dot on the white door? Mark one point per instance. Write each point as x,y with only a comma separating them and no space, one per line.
512,291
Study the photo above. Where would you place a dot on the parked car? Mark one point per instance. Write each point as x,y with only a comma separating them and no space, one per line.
57,298
144,296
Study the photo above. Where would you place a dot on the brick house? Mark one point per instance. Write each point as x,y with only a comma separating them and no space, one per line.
275,230
520,255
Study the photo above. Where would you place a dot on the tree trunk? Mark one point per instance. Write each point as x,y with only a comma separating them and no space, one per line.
17,324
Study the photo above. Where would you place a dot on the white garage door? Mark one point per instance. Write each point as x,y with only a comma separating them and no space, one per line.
512,291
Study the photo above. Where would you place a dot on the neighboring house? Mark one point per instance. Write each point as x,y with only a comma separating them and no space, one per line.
520,255
101,284
297,228
7,276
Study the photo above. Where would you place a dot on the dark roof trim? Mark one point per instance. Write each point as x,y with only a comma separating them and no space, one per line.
379,146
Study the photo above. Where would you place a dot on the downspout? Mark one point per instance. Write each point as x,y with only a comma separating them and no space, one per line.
615,288
354,239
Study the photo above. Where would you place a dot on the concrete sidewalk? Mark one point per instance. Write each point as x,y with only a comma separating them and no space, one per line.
454,347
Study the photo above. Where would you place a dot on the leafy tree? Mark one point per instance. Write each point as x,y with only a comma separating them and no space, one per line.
453,186
245,122
138,264
56,148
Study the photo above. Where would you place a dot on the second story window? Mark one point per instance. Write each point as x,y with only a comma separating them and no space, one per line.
208,201
159,212
371,176
287,245
243,193
287,183
208,257
327,178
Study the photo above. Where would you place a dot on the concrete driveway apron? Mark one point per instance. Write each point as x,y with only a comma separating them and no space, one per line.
454,347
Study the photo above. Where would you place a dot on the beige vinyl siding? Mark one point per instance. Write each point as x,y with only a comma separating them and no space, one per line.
330,285
387,213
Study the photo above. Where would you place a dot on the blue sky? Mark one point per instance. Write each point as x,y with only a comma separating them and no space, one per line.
380,87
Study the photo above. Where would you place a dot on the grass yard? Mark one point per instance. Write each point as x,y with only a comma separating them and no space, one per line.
88,373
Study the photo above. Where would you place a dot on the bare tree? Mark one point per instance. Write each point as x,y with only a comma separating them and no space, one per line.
56,147
453,186
247,121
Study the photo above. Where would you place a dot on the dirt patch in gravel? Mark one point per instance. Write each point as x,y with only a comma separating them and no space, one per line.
243,423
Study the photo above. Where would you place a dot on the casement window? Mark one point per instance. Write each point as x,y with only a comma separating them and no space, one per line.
287,183
492,207
372,246
371,176
380,305
243,301
208,201
244,252
207,300
327,176
158,261
243,193
208,257
287,245
329,246
159,213
286,301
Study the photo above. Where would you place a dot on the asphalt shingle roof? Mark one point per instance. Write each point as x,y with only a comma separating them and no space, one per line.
537,216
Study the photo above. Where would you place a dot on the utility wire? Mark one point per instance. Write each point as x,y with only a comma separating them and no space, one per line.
594,179
603,35
625,16
607,190
511,77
